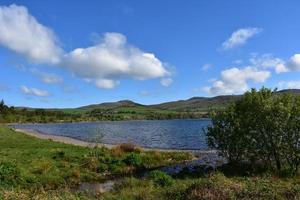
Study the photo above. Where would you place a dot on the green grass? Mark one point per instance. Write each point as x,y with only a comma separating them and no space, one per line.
42,166
214,186
31,168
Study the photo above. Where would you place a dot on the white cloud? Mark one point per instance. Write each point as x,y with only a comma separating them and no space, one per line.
34,92
166,82
293,64
289,85
104,64
267,61
240,37
236,80
48,78
23,34
206,67
279,65
106,83
113,59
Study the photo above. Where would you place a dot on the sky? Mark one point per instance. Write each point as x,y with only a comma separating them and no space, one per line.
73,53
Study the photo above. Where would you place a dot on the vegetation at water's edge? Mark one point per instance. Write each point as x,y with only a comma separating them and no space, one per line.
122,111
33,166
196,107
260,129
259,134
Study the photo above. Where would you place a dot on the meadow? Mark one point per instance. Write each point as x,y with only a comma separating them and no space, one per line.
32,168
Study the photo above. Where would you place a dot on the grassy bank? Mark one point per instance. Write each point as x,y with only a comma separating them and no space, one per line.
31,168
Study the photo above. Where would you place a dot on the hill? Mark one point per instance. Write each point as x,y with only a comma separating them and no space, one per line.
196,107
198,103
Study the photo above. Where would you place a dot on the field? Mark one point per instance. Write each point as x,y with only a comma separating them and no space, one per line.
31,168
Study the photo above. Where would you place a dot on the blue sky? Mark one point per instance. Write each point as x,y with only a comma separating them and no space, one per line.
74,53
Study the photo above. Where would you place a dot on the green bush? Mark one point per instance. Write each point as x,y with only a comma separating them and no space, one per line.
161,178
262,126
9,173
133,159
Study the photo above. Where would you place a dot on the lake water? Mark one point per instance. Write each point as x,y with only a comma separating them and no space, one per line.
164,134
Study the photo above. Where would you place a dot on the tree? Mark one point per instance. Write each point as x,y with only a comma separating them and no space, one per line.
262,126
2,106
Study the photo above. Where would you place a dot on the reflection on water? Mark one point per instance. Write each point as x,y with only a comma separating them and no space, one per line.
165,134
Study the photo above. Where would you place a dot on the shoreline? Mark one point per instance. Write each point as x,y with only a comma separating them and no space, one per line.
77,142
129,120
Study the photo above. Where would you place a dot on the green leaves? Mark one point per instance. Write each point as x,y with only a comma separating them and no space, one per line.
260,127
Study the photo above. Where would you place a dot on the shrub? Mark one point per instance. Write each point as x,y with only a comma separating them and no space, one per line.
262,126
133,159
9,173
125,148
161,178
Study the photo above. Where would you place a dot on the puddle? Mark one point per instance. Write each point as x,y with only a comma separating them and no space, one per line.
97,187
208,161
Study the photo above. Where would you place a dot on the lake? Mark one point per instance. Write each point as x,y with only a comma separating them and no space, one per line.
164,134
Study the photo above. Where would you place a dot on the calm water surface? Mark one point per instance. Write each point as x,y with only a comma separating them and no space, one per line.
165,134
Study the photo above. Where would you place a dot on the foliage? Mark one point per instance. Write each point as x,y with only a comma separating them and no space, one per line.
260,127
51,170
92,113
212,187
45,165
9,173
133,159
161,178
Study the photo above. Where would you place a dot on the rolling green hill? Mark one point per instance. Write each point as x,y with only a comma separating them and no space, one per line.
196,107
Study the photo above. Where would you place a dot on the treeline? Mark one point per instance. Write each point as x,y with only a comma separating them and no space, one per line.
101,114
23,115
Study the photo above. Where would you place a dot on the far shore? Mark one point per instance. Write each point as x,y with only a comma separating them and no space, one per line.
127,120
72,141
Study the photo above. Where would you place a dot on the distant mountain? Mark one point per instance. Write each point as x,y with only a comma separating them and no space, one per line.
198,103
290,91
111,105
204,103
194,104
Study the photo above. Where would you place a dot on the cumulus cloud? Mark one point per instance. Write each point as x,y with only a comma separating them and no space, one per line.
104,64
48,78
240,37
289,85
279,65
293,64
23,34
166,82
236,80
106,83
267,61
34,92
113,59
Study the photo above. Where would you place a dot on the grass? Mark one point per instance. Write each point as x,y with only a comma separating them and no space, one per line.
40,166
31,168
214,186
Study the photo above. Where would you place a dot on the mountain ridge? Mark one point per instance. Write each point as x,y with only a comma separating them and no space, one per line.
191,104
